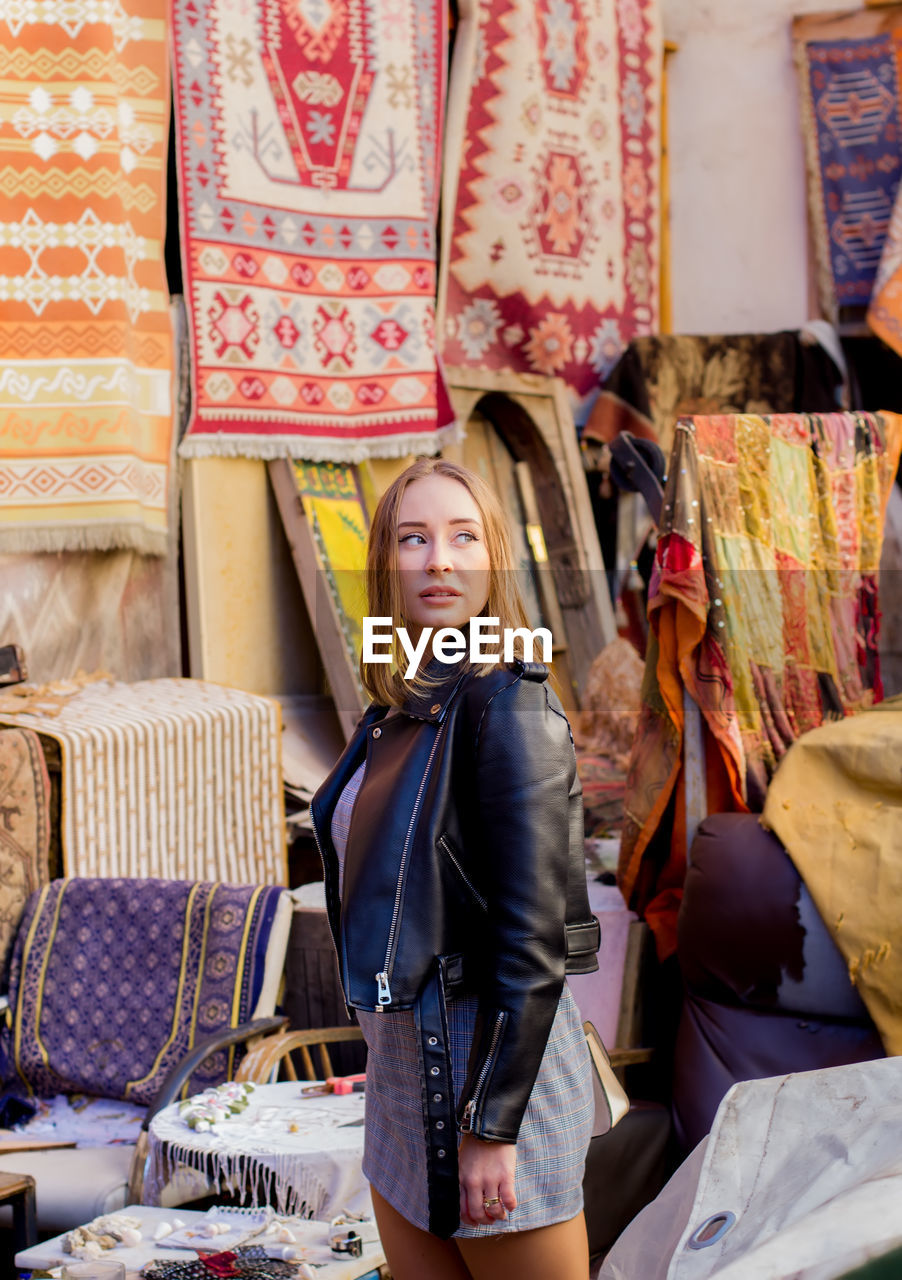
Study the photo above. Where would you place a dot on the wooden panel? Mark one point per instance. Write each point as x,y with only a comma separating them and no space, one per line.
247,624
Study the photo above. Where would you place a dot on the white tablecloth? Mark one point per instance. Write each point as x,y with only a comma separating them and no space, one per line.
302,1155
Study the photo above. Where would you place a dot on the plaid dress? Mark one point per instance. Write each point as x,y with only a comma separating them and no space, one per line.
557,1124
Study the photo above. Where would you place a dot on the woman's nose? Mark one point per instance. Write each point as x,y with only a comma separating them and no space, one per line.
439,560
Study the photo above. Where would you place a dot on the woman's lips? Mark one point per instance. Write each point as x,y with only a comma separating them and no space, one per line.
435,593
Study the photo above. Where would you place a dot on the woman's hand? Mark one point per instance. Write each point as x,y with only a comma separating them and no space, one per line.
486,1172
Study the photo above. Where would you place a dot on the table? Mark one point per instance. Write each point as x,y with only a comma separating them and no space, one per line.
49,1253
301,1154
18,1190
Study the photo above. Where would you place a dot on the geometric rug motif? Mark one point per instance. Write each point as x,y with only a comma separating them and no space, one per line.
85,337
552,189
852,124
308,150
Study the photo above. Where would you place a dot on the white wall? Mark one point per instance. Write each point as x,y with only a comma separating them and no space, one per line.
738,215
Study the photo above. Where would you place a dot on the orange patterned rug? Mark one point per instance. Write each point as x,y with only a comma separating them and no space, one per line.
85,343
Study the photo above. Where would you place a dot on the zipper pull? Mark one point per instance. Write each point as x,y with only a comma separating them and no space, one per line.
383,991
466,1123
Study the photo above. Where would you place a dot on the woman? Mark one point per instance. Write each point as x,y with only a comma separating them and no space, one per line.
451,837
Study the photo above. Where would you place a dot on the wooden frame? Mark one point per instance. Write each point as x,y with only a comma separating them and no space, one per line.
532,416
321,594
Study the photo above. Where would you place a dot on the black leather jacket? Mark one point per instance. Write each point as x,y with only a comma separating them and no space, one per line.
464,865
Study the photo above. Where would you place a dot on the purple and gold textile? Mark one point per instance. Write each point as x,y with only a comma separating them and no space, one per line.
114,981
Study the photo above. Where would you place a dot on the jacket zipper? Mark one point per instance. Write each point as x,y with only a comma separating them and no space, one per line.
383,978
463,875
466,1124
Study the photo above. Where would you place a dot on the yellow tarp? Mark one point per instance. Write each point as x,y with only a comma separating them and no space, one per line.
836,804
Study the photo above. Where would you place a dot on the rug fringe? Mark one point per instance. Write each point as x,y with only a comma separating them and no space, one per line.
311,449
85,537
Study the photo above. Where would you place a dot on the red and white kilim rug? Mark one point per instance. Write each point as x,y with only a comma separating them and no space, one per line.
551,186
308,146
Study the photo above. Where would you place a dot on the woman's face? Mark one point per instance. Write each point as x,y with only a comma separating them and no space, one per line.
442,554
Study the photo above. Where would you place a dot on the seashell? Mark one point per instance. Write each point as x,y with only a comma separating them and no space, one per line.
177,1224
130,1237
164,1229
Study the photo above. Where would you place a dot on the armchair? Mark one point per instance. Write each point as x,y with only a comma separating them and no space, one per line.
122,993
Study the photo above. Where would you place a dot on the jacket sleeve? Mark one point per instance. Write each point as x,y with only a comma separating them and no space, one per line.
525,781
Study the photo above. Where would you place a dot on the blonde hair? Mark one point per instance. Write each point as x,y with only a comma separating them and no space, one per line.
382,681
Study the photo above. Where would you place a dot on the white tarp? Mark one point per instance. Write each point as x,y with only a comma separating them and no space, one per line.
810,1164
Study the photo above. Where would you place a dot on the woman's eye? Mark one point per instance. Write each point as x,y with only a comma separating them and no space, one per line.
412,540
466,536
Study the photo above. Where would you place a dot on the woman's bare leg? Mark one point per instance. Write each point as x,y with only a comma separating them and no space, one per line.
413,1254
561,1250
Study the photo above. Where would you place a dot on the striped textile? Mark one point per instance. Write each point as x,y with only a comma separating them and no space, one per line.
179,779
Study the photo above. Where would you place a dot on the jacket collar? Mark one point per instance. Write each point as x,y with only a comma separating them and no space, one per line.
444,680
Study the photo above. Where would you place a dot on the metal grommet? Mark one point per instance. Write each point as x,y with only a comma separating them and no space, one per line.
436,1097
435,708
433,1071
439,1124
441,1153
433,1040
377,733
711,1230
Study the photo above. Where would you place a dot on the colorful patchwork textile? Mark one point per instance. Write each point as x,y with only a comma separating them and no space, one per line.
551,190
763,606
85,339
852,122
113,981
308,144
24,828
174,778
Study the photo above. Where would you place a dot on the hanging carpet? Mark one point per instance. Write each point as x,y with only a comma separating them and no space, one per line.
308,154
551,187
849,79
85,338
763,607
